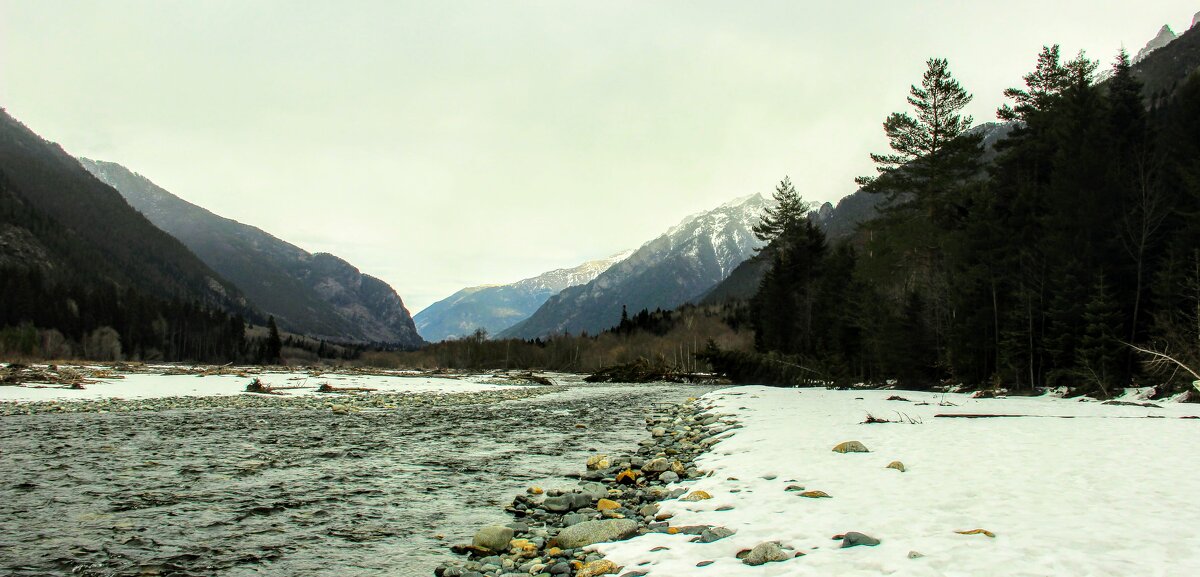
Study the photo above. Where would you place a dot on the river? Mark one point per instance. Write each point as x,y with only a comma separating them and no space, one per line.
286,491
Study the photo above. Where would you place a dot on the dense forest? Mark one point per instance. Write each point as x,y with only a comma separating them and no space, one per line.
1042,267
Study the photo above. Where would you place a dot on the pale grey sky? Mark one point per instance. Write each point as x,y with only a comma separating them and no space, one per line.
443,144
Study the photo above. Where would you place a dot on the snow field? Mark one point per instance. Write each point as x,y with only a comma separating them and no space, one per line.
1107,492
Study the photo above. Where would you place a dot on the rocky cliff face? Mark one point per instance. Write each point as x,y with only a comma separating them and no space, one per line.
676,268
319,295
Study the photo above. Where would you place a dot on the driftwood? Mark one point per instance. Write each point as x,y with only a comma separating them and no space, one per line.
257,386
328,388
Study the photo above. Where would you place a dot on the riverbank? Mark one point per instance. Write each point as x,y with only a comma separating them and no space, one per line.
617,497
1056,487
42,389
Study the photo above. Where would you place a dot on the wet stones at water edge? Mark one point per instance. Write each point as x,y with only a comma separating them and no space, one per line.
615,498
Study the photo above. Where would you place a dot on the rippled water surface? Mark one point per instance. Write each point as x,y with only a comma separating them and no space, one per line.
289,491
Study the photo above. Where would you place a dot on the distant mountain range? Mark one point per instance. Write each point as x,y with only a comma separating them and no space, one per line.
495,308
678,267
318,295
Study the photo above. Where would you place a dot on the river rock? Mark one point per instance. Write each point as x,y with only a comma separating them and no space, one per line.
596,568
715,534
574,519
567,502
854,539
656,465
668,477
697,496
493,538
897,465
587,533
767,552
851,447
596,462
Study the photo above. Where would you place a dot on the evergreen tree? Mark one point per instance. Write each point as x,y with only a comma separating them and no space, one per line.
273,350
786,216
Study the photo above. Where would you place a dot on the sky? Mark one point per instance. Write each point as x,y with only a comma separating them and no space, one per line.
445,144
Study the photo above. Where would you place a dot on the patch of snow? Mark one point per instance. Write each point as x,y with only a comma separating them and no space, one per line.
1106,492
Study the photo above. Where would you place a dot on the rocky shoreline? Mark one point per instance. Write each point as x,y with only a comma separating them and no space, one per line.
616,498
334,402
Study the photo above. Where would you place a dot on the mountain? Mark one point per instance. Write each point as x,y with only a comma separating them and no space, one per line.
498,307
676,268
1164,37
88,232
1163,70
318,295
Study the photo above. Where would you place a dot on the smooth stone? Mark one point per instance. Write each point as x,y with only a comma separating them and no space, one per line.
715,534
668,477
851,447
597,568
767,552
915,555
854,539
589,532
493,538
897,465
656,465
574,519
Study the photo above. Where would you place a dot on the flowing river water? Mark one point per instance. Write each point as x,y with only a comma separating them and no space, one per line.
284,491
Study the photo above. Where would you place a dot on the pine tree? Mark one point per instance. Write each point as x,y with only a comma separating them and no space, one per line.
787,215
273,351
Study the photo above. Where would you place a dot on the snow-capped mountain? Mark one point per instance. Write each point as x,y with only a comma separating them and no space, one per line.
1164,37
678,267
498,307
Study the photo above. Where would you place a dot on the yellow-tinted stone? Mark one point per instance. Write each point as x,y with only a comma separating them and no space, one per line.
600,567
697,496
977,532
627,477
851,447
553,552
672,530
897,465
815,494
534,491
607,504
597,462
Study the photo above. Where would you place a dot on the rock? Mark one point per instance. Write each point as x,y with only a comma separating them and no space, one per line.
704,563
715,534
560,568
594,490
767,552
815,494
607,505
574,519
493,538
589,532
567,502
697,496
915,555
897,465
977,532
627,477
656,465
598,462
534,490
854,539
794,488
658,432
595,568
668,477
851,447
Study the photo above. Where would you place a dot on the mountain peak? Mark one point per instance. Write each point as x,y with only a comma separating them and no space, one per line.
1196,20
1164,37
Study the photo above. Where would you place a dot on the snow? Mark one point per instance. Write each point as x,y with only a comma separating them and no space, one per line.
149,386
1105,492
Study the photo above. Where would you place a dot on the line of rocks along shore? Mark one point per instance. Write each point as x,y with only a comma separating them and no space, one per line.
337,403
617,498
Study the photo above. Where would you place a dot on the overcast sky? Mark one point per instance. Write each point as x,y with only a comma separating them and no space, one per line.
443,144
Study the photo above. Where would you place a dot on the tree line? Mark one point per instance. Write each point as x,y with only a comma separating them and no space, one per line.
1041,265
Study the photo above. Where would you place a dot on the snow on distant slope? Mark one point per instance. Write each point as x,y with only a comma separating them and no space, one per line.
1164,37
498,307
677,267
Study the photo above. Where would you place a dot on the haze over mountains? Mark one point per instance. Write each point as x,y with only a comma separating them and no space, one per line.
318,295
495,308
678,267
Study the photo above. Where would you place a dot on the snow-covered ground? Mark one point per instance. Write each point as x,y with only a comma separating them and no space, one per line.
149,386
1106,492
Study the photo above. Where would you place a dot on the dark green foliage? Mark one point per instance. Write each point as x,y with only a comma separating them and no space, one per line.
1079,237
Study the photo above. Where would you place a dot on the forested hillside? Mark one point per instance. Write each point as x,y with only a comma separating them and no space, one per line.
1039,268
